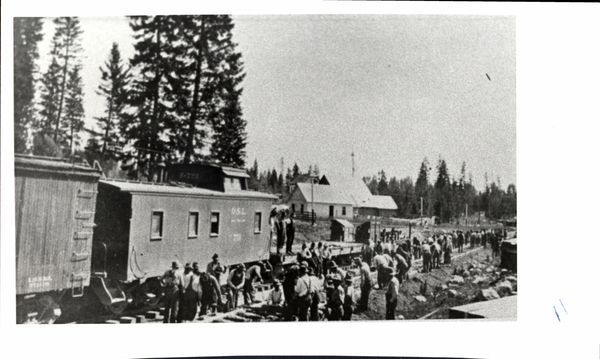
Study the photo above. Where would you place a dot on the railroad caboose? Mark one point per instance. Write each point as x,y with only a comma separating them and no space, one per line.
143,227
54,211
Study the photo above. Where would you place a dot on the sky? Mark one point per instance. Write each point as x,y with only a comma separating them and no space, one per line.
393,89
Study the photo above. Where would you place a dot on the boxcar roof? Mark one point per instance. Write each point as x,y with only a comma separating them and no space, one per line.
53,165
162,188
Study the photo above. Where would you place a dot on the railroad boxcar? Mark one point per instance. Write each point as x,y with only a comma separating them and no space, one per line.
143,227
54,222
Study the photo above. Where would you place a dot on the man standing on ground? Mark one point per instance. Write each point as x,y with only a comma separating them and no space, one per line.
314,289
172,281
215,268
303,293
326,258
235,283
365,284
461,241
391,296
348,298
336,304
426,249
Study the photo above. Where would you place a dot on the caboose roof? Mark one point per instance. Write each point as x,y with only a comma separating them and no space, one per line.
53,165
180,190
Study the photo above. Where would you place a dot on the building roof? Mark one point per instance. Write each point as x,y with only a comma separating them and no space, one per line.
381,202
324,194
180,190
54,165
354,186
344,223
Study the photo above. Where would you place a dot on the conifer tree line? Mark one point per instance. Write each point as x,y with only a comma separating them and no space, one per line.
449,199
176,100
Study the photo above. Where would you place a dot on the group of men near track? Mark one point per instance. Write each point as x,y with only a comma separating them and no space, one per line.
315,287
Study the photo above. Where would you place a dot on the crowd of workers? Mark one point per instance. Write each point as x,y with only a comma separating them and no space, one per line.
315,287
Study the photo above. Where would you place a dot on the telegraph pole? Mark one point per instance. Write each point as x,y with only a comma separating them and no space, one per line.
421,211
312,198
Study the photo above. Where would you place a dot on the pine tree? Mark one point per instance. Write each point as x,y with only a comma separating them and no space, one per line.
151,128
50,98
27,34
422,186
72,122
229,138
382,185
114,88
443,193
295,170
66,43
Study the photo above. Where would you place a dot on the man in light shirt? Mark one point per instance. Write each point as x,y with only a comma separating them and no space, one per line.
303,293
173,288
252,275
315,288
276,296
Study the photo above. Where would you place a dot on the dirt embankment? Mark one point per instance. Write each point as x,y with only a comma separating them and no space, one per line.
467,279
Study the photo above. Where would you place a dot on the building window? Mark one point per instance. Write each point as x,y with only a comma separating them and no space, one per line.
343,211
293,207
330,211
214,224
157,226
193,225
257,222
302,208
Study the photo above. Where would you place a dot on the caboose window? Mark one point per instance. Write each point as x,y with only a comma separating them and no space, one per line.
257,222
193,225
157,226
214,224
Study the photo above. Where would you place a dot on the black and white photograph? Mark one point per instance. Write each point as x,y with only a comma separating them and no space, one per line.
259,170
377,182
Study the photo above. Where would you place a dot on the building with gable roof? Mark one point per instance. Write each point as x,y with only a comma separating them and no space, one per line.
329,201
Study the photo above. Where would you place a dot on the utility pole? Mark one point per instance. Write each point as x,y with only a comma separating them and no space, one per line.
352,163
466,213
421,211
312,198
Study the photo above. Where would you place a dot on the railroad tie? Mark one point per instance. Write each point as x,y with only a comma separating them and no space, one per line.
127,320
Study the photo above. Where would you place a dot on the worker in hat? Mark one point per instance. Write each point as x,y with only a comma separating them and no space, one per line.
426,252
391,296
172,281
215,268
252,276
401,267
365,284
326,255
235,284
315,288
336,303
289,283
276,297
303,293
349,300
188,298
367,253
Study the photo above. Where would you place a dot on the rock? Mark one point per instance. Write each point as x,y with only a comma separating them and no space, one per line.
413,274
400,317
480,279
457,280
504,271
489,270
444,287
452,293
504,288
487,294
420,298
512,278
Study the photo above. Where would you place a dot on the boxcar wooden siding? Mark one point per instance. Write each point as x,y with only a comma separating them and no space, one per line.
52,245
236,242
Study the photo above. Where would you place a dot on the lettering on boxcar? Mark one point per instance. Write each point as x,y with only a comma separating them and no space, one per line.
238,211
39,283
